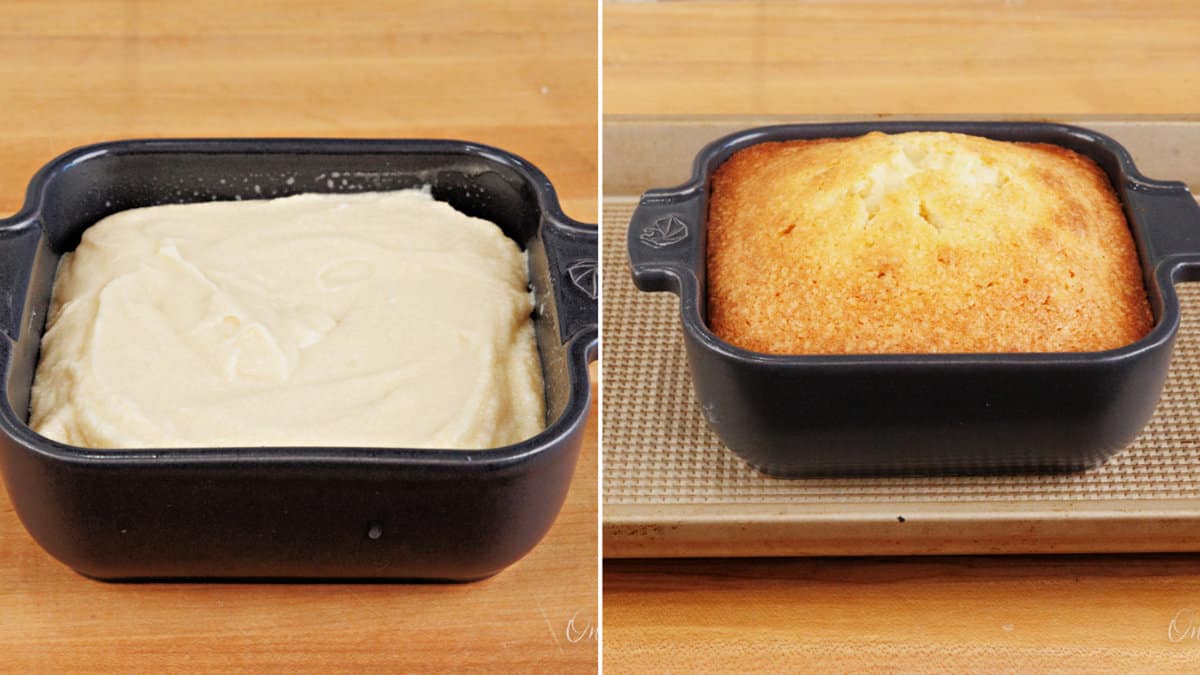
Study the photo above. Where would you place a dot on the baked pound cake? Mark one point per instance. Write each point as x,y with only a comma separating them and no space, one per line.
919,242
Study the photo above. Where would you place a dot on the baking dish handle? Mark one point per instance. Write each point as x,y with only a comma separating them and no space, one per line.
666,240
1172,231
572,249
19,242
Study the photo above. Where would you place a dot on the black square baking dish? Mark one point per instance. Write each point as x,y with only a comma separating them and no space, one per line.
923,413
294,511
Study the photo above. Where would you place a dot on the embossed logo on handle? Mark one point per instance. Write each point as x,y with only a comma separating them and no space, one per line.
583,276
665,231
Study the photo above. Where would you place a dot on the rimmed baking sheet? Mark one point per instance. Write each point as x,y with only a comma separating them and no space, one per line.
671,489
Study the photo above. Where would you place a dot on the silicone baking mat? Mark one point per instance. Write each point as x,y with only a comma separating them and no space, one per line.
671,488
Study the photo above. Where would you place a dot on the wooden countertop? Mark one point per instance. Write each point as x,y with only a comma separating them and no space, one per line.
902,56
1076,614
1084,614
519,76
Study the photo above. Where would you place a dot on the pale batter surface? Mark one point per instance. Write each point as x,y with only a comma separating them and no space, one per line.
380,319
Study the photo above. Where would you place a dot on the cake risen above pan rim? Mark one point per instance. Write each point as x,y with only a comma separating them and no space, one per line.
919,242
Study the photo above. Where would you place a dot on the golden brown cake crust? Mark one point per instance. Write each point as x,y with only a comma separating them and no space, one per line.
919,243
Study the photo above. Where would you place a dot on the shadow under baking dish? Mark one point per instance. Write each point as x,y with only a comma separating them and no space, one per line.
295,512
812,415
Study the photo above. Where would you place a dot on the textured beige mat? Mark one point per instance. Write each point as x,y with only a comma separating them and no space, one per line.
671,488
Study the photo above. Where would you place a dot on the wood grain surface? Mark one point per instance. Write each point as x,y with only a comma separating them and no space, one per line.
981,614
902,56
521,76
1024,614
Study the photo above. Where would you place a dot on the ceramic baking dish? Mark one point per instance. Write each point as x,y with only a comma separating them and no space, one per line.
294,511
923,413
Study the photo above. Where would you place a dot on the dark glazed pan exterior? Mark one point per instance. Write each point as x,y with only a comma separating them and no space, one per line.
294,512
923,413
